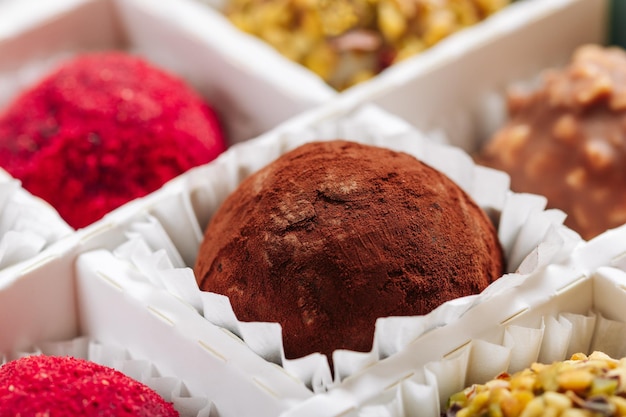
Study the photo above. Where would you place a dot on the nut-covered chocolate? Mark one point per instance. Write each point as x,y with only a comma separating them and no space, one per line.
583,386
349,41
333,235
566,140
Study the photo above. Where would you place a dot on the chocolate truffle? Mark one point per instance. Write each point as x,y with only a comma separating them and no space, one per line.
592,385
347,42
58,386
103,129
566,140
333,235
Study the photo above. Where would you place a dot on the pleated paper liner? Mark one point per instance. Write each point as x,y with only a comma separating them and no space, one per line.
28,224
156,239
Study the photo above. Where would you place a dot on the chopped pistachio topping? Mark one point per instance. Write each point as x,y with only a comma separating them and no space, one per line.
584,386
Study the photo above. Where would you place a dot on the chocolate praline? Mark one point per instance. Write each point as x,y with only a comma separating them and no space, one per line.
566,140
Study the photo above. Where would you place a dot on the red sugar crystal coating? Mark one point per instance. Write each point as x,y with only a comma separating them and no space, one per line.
64,386
102,130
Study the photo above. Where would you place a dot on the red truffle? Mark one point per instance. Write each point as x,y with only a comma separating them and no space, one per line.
58,386
104,129
333,235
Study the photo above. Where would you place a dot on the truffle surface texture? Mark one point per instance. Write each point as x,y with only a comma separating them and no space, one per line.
566,140
103,129
59,386
333,235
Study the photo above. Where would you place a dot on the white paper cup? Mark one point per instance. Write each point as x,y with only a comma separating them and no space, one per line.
162,232
28,224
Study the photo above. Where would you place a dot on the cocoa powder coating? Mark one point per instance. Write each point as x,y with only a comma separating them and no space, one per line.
333,235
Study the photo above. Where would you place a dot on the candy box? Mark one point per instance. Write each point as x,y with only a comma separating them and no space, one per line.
125,281
155,240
